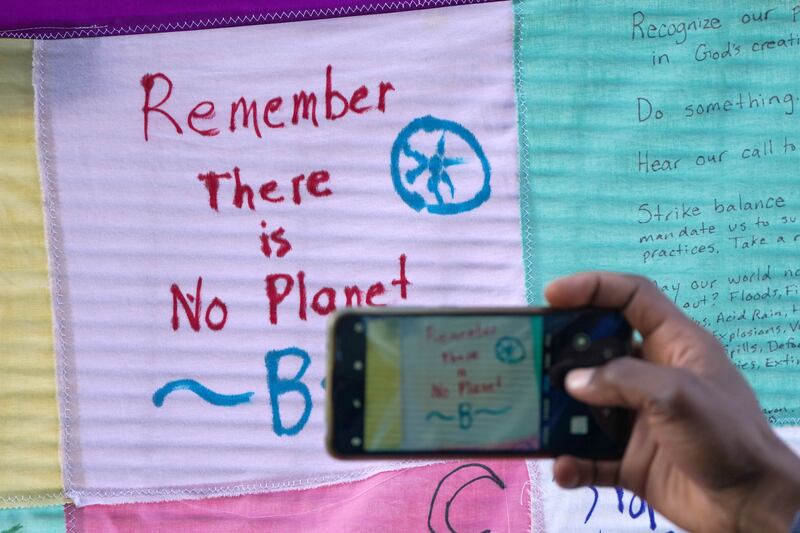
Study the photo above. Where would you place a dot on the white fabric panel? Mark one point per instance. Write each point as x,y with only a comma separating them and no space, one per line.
128,217
591,510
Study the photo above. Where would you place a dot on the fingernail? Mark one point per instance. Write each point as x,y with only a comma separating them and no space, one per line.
579,378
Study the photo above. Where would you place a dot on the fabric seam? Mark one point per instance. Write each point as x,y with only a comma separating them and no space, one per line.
536,494
232,489
70,519
53,246
524,160
25,501
285,15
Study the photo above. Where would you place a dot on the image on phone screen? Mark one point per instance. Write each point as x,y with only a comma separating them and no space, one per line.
473,383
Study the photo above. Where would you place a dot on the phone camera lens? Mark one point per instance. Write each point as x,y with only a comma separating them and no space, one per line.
358,327
581,342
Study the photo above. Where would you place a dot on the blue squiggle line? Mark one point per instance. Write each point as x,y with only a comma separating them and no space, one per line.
487,411
437,414
205,393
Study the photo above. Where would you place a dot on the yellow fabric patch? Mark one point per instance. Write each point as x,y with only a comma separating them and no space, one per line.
29,429
383,410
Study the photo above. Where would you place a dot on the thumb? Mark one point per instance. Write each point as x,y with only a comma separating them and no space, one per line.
635,384
697,424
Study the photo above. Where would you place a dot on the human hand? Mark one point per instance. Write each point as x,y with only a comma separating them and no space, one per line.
701,451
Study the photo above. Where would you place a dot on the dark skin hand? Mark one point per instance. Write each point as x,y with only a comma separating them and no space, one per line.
701,451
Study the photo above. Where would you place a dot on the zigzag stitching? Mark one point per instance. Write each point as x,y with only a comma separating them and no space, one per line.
290,15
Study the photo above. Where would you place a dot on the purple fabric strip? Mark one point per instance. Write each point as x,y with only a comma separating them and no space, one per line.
66,19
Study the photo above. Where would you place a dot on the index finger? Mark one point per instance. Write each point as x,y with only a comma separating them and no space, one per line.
645,307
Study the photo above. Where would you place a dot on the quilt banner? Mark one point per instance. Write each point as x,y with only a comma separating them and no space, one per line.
212,197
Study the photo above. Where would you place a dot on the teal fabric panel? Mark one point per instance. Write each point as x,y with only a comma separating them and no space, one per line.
663,140
49,519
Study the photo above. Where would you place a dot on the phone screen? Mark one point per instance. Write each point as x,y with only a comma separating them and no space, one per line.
449,382
411,383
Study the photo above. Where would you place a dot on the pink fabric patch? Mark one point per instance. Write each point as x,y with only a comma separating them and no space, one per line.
466,496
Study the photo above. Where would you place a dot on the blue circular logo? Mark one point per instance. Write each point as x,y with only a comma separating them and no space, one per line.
450,159
509,350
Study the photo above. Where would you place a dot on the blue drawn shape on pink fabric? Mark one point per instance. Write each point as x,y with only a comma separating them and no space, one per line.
436,166
279,386
214,398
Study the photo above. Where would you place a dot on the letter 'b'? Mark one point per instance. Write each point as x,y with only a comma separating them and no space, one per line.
278,386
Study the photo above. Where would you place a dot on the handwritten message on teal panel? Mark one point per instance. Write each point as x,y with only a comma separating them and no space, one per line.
48,519
664,140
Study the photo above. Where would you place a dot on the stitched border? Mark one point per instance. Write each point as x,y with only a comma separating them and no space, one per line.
63,348
238,20
70,519
233,489
526,218
536,497
26,501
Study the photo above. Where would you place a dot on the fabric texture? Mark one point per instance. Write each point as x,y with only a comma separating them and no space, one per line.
46,519
592,509
51,19
29,431
662,141
192,326
477,496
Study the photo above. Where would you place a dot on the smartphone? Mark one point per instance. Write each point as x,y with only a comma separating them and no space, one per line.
467,382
